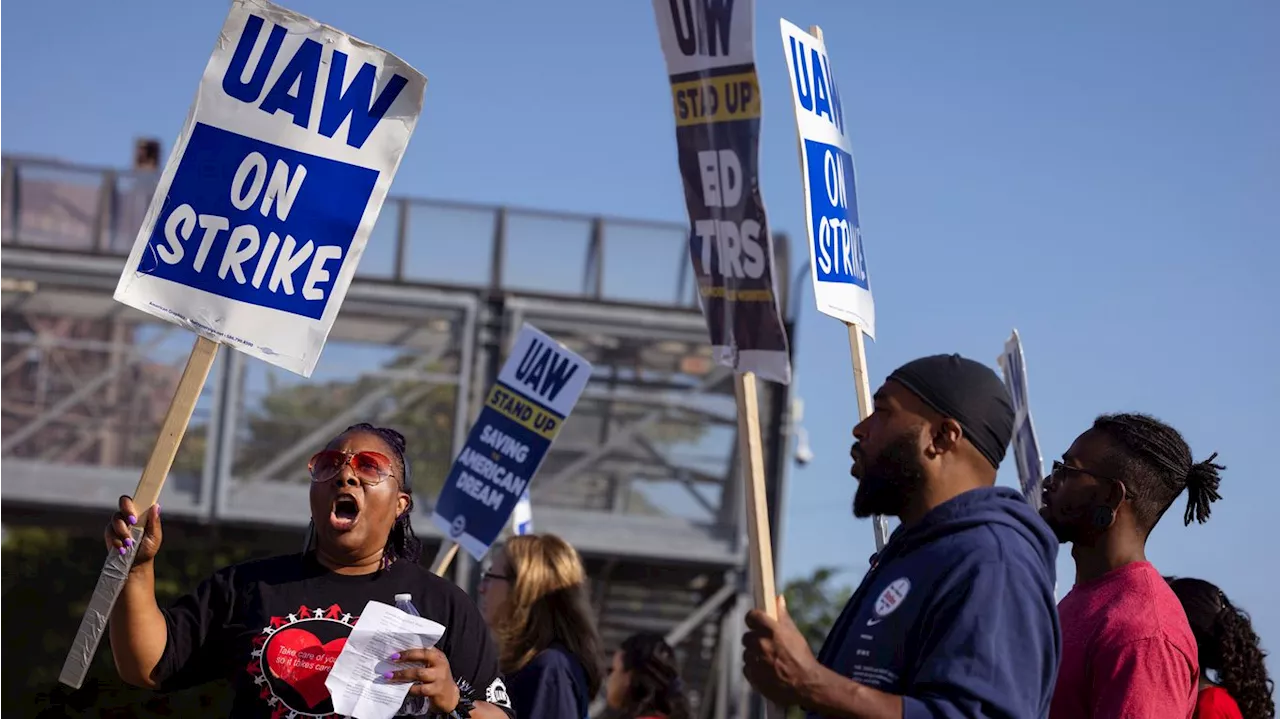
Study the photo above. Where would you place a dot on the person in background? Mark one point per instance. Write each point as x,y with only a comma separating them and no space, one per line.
1127,649
644,680
1229,648
533,595
275,626
956,617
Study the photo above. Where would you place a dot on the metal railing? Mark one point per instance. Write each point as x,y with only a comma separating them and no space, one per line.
56,205
646,462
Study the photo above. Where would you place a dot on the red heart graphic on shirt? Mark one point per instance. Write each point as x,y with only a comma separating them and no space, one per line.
298,658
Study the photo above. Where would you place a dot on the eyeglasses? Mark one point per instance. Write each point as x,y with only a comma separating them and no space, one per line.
487,573
371,468
1061,471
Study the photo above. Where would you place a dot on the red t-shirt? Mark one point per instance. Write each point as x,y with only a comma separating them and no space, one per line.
1127,650
1215,703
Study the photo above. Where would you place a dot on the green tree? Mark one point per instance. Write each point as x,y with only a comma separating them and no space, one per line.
423,413
48,578
814,603
287,413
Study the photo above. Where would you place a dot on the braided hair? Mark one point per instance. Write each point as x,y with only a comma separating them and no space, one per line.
655,686
1228,645
1156,465
402,543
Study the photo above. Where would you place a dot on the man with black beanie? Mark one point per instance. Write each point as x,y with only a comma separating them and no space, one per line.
956,617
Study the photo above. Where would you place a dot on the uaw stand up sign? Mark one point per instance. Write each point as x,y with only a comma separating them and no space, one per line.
525,410
710,57
715,94
260,217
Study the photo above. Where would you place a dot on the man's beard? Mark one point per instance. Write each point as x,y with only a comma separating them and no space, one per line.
1072,527
1065,533
890,479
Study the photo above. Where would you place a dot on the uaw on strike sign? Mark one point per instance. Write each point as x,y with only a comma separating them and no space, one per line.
840,281
275,181
710,56
259,219
526,407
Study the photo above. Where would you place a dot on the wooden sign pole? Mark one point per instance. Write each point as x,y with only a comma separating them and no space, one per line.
444,557
858,350
116,570
751,454
759,540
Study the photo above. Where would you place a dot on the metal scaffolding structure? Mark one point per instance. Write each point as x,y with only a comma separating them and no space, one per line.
643,479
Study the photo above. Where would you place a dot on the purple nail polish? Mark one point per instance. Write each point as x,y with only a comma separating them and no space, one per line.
157,509
395,657
122,551
131,519
128,542
388,675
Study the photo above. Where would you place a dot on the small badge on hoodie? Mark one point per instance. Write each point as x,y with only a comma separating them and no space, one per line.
890,599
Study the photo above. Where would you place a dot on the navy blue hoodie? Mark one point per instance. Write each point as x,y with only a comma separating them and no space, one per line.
958,614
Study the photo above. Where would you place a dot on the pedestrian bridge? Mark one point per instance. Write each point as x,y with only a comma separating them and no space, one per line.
643,479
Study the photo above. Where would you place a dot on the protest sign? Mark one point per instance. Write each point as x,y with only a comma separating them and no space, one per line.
259,218
525,409
710,57
837,263
709,49
522,517
273,186
1026,448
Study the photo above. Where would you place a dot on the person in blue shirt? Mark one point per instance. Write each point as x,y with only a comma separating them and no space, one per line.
956,617
534,597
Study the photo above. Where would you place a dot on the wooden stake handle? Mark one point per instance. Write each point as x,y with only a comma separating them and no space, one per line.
444,557
116,569
858,351
862,384
751,453
175,423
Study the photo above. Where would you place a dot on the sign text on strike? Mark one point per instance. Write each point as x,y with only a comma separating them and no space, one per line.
833,207
257,222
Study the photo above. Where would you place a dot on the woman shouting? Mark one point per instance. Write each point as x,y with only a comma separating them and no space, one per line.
274,627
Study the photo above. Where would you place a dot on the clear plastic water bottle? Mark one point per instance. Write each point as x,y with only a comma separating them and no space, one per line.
413,705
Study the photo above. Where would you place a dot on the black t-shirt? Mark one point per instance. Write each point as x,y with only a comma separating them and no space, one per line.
274,627
553,685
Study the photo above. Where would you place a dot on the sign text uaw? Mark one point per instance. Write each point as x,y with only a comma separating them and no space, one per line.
524,411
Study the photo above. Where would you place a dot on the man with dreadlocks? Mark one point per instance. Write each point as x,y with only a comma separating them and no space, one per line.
275,626
1127,649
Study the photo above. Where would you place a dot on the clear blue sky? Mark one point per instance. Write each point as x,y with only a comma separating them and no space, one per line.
1103,176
